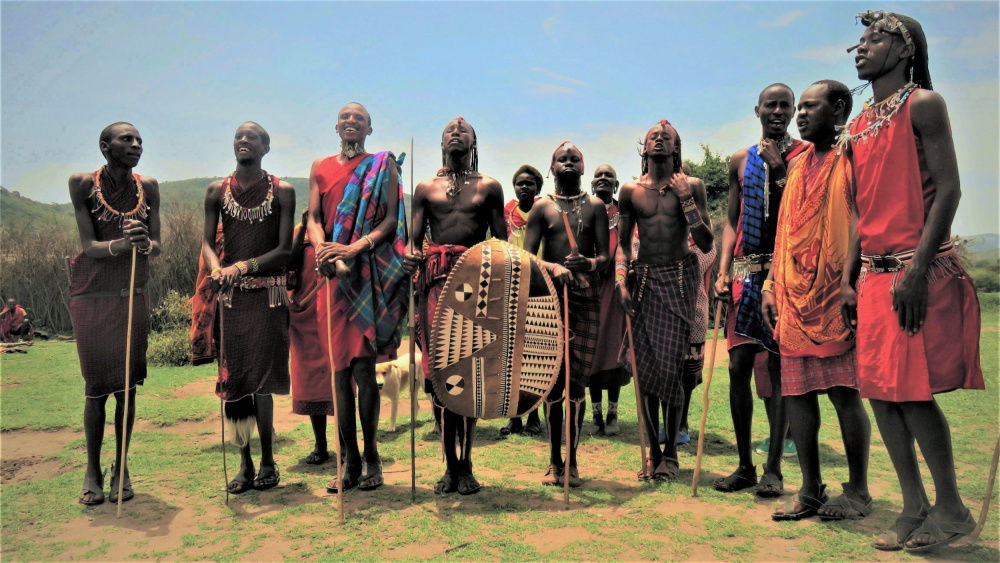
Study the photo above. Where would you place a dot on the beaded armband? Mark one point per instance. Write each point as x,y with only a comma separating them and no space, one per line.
691,213
621,272
254,266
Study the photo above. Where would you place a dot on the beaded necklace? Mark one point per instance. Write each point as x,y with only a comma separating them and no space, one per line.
576,201
108,213
237,211
879,116
510,220
783,144
457,181
612,219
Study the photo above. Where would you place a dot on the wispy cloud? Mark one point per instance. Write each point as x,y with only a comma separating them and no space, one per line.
559,77
550,23
546,88
829,54
786,19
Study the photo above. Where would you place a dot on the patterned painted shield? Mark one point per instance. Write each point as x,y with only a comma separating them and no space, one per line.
497,336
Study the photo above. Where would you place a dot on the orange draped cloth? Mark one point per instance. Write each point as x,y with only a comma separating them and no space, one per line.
810,249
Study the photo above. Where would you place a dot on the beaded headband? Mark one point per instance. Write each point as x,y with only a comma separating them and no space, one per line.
890,24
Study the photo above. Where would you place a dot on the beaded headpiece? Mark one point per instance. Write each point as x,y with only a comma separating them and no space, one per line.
570,145
912,33
677,155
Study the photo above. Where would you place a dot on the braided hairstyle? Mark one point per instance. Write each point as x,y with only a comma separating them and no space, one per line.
678,161
912,33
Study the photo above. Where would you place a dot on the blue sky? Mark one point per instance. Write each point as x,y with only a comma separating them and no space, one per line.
526,75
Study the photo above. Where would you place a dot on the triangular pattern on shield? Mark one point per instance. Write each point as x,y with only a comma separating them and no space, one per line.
462,339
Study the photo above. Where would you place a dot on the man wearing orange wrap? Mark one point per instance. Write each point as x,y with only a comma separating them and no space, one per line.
801,306
914,309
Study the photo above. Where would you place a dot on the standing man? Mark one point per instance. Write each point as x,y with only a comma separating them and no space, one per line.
355,216
756,181
665,205
915,310
527,185
312,393
573,227
801,301
116,210
456,206
606,373
257,211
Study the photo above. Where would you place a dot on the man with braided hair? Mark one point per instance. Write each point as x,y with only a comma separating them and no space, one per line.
914,309
666,205
455,207
756,181
573,225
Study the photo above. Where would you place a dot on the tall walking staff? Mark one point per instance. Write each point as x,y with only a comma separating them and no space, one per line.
566,420
574,250
411,326
638,398
128,367
708,383
222,402
989,495
336,420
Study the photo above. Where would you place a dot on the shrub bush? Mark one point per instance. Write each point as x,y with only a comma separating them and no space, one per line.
171,347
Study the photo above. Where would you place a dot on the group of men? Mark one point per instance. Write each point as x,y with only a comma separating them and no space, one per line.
835,257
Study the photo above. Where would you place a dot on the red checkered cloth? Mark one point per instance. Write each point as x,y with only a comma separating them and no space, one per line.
665,303
439,259
801,375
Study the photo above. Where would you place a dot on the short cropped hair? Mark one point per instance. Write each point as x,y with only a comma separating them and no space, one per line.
836,92
531,171
106,132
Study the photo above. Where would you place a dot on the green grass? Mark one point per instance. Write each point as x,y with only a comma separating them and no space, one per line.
179,512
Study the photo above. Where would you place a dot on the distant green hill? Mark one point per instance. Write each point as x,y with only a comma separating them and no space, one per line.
20,210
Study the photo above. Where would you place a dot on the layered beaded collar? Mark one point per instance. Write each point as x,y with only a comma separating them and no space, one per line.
106,212
879,116
237,211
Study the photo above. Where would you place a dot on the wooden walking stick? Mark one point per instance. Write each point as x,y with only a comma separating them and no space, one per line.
638,398
411,326
222,403
704,405
989,494
128,367
566,391
336,420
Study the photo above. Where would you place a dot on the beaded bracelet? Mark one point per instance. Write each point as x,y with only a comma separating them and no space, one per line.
780,183
371,243
621,272
691,213
242,267
768,286
216,269
254,266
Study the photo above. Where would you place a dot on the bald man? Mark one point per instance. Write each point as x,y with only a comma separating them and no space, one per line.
356,216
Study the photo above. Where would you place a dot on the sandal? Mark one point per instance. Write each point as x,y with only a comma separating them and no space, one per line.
742,478
468,485
770,486
239,485
555,471
668,468
92,496
575,482
809,506
445,484
851,509
317,458
646,473
943,532
372,481
127,492
267,478
350,479
900,531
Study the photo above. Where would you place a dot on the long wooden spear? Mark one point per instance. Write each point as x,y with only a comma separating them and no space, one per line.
704,405
128,367
336,419
411,325
222,402
638,399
